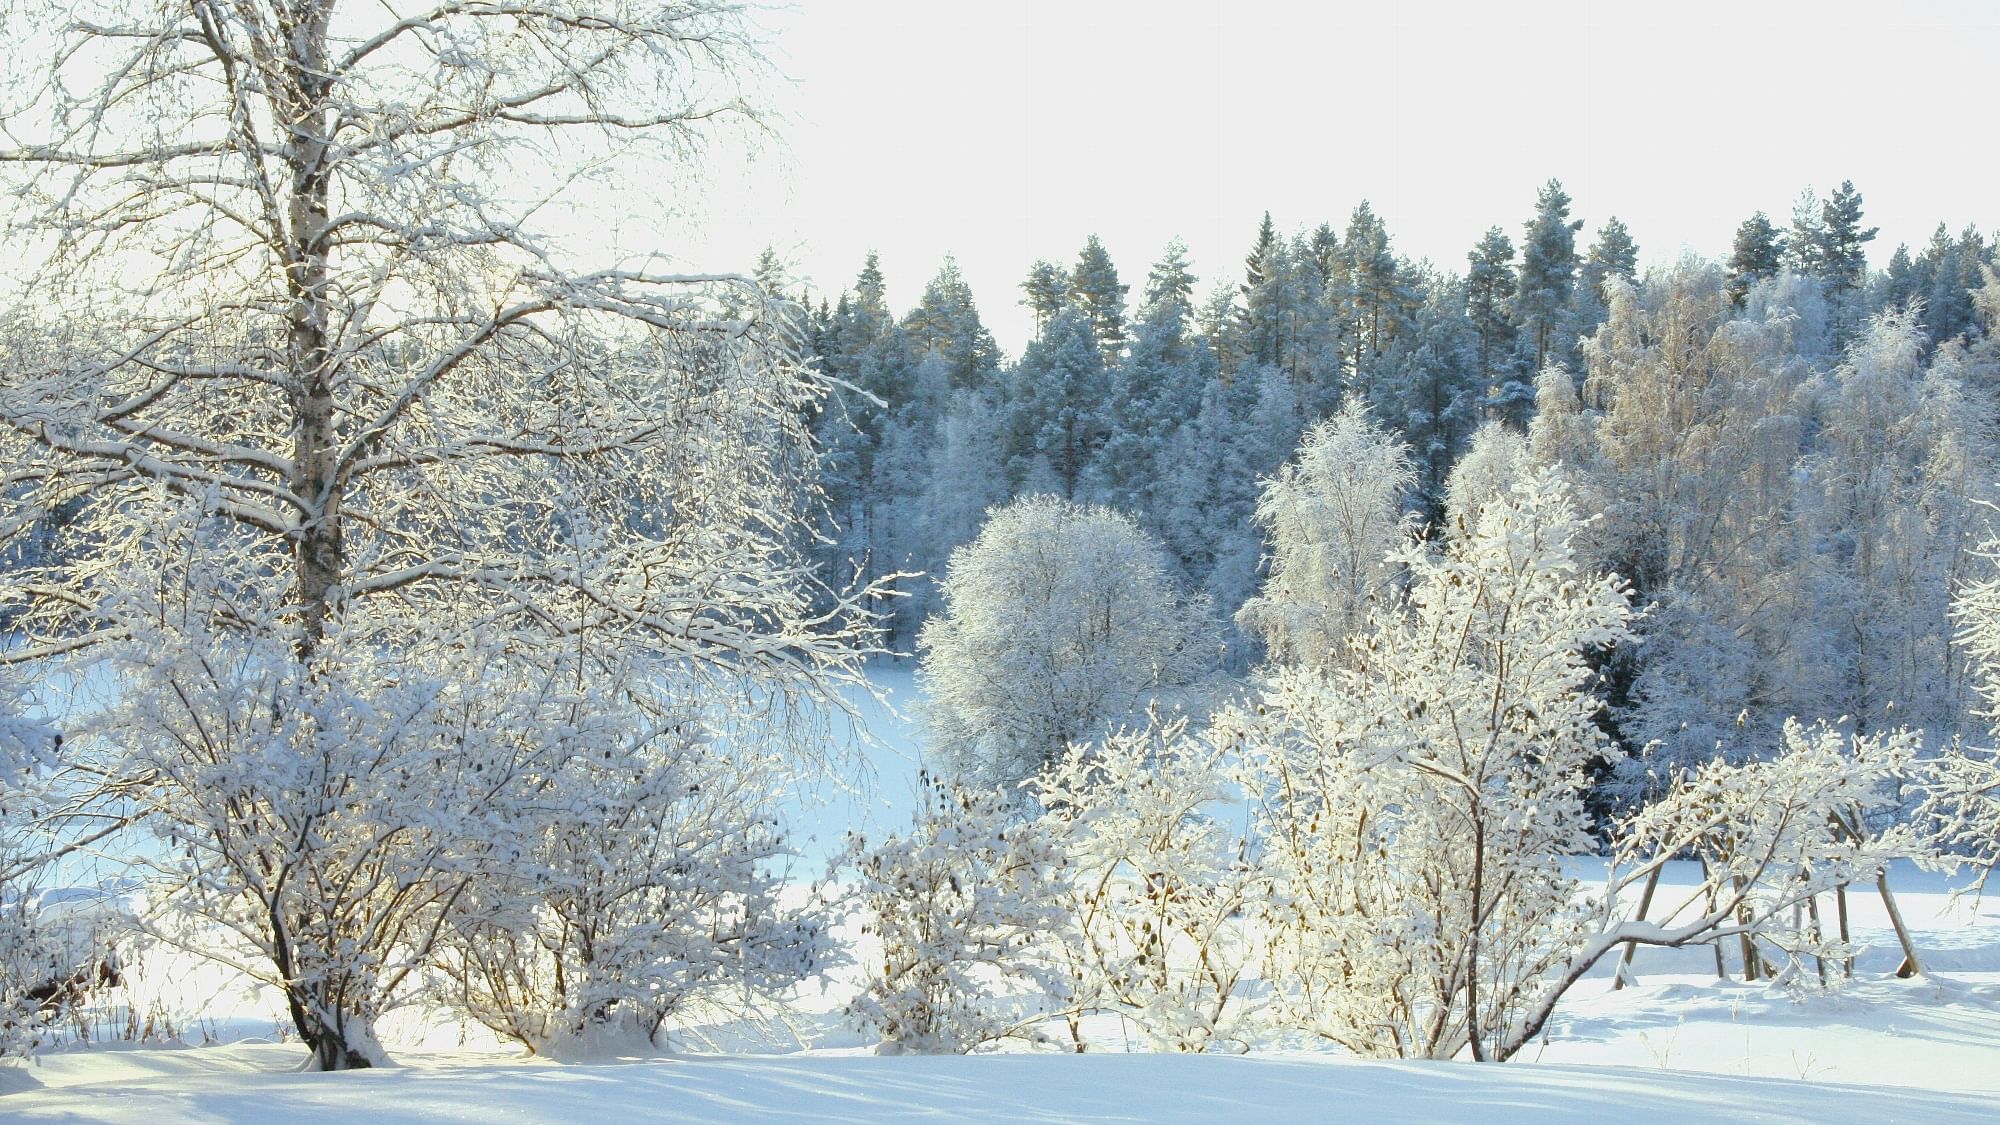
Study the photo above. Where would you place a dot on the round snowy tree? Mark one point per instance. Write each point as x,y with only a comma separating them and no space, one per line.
1333,515
1060,621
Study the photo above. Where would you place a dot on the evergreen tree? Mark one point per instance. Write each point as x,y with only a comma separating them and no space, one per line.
871,293
946,322
1428,386
1094,288
1843,263
1758,254
1169,282
1805,247
1949,270
1055,407
1490,284
1614,253
1266,285
1045,292
1548,272
1375,298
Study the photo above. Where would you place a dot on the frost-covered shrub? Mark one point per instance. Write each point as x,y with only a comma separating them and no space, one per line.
1962,790
1412,800
1774,833
1158,886
958,905
648,891
323,819
1060,621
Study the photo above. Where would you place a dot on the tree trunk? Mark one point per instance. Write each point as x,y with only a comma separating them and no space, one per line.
1632,947
1910,966
318,553
1840,903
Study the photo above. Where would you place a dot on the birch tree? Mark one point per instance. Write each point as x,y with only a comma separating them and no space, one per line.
385,498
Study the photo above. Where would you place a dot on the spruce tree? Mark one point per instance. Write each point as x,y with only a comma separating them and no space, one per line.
1490,285
1843,263
1259,338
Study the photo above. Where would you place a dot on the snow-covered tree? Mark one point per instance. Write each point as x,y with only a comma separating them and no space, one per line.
1333,517
1059,621
1055,402
1962,798
375,475
1889,497
1490,284
1095,289
1756,255
1494,459
1411,801
1044,292
945,323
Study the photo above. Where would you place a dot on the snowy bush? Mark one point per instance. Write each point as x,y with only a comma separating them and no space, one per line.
958,905
648,891
1158,886
1962,792
1774,834
1334,517
1060,621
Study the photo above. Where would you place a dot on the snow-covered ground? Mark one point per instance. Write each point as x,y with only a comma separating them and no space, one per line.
1679,1046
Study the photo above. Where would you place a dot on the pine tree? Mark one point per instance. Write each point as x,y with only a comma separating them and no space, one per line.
1758,254
1094,288
1843,263
1169,283
1548,272
1045,291
1614,253
946,322
1375,298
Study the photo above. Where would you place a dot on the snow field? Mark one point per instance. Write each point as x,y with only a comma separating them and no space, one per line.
1678,1046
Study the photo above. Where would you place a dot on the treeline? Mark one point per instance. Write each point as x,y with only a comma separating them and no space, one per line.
1786,447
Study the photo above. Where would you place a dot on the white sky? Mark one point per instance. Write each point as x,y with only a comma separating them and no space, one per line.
1006,132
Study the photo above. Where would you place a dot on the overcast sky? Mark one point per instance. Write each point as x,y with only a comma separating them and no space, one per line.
1005,132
